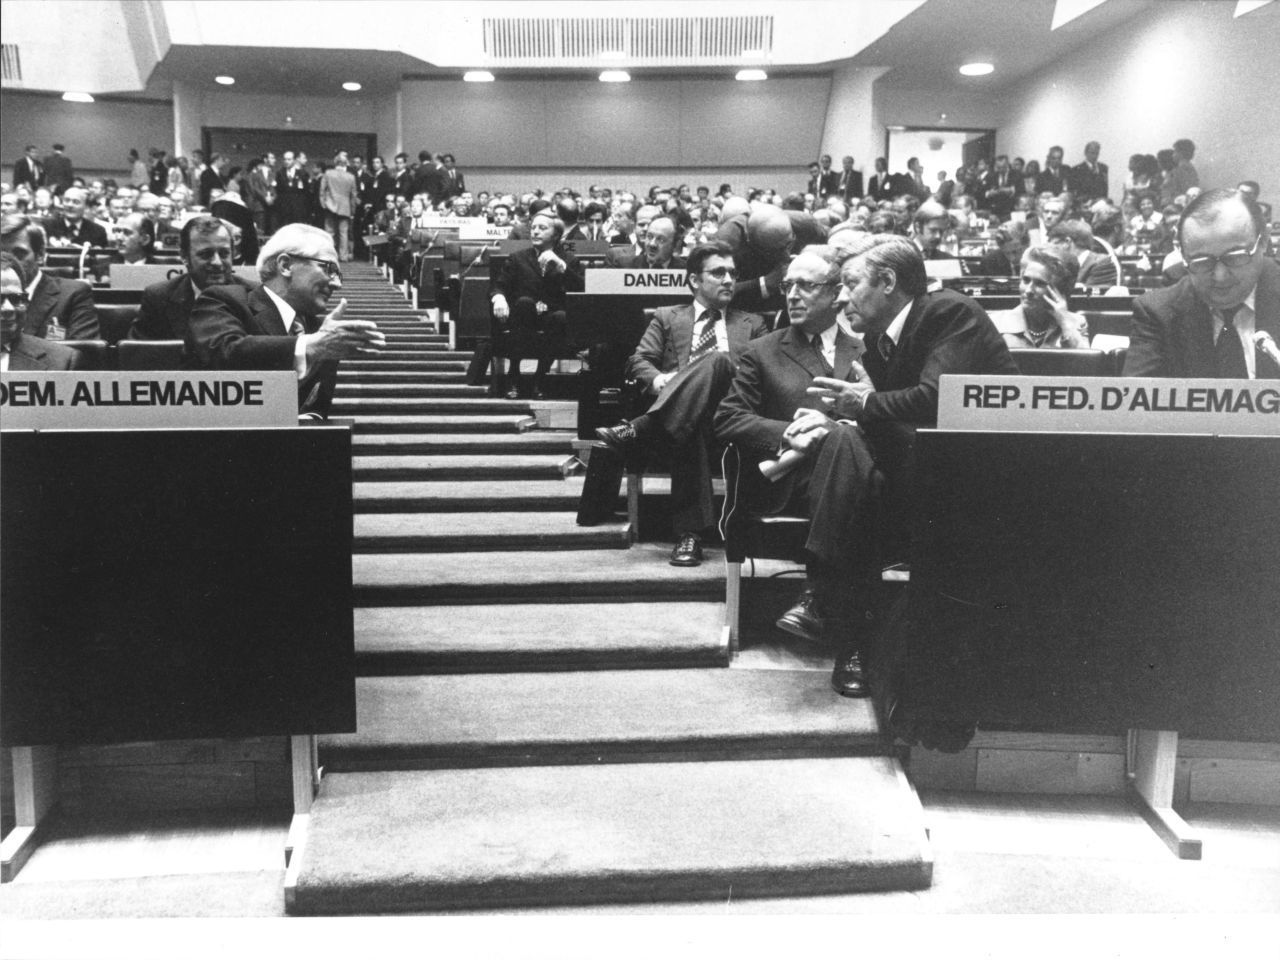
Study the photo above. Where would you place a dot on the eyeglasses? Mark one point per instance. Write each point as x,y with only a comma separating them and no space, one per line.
331,269
15,300
721,273
806,287
1232,259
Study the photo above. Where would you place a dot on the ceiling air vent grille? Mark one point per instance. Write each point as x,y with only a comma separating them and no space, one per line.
10,63
657,41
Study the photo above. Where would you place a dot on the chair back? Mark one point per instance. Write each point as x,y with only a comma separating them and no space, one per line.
150,354
94,354
115,319
1050,362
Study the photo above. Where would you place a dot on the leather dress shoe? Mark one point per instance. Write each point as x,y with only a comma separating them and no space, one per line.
687,552
803,620
618,437
513,393
847,679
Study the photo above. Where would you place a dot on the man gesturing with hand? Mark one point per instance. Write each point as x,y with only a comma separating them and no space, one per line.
282,324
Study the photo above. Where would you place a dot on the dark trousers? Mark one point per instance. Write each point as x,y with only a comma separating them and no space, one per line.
533,334
683,411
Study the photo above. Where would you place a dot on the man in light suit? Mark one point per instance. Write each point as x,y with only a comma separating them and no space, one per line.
19,351
281,325
687,359
1205,325
57,308
338,197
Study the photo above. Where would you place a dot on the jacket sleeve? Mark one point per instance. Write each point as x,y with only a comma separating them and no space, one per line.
150,322
646,362
1148,353
80,316
219,337
736,419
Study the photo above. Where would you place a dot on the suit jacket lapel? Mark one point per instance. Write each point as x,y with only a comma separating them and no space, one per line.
846,351
795,345
266,314
904,342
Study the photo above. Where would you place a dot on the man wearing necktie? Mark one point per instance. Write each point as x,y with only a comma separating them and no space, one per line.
687,358
1222,319
281,324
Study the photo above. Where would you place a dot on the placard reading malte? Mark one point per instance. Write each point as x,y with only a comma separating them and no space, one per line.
96,400
1241,408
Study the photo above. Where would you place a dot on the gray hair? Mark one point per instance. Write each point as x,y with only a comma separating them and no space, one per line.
298,238
885,252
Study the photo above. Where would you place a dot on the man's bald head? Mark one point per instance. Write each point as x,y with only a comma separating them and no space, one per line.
769,230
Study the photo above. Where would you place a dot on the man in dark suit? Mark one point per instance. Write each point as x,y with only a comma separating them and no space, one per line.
165,313
19,351
73,228
828,179
260,194
796,385
814,186
28,170
57,309
880,187
1000,188
58,172
929,226
849,181
1208,324
687,359
1088,180
428,179
1054,177
451,177
280,325
659,252
402,177
293,192
529,300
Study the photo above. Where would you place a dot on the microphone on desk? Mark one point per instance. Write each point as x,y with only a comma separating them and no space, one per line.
1265,342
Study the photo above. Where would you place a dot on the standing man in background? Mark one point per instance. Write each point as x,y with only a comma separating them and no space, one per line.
338,197
58,172
27,170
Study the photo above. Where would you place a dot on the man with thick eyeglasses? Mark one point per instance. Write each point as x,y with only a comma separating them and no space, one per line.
1223,318
19,351
281,325
687,359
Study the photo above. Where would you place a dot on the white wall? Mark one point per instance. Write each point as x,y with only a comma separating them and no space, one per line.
636,179
1182,70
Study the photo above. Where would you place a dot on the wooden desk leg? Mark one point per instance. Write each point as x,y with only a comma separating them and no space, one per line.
1152,762
34,792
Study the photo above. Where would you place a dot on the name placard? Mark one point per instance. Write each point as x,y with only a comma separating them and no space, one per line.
139,276
437,222
96,400
636,282
483,231
1246,408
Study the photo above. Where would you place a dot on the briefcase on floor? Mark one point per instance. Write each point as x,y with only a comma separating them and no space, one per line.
601,487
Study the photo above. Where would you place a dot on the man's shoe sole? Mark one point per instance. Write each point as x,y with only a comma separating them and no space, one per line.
799,630
685,562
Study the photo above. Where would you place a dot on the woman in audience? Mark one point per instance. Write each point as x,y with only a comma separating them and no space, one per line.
1030,174
1043,317
1147,225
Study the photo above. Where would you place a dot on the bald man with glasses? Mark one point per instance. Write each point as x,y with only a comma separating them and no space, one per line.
1222,319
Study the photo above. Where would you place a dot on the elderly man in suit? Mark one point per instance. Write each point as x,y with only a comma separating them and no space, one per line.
1223,318
850,427
687,359
19,351
658,249
57,309
281,324
338,197
73,228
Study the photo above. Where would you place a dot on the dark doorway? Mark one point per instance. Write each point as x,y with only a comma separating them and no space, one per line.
240,145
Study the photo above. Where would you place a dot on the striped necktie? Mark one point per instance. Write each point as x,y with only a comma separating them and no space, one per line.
707,339
1229,351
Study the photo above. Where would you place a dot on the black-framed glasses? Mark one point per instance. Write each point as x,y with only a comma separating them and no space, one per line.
806,287
1233,259
15,300
331,269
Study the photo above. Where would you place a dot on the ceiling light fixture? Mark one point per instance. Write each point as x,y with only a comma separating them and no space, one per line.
977,69
224,80
614,76
1248,6
751,75
77,98
351,86
478,76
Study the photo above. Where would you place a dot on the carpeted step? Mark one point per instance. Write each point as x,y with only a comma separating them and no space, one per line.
421,841
532,441
355,406
538,636
377,377
356,367
515,423
509,467
641,573
428,532
461,496
429,351
606,716
363,389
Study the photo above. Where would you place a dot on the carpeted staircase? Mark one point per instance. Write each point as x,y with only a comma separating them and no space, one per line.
545,711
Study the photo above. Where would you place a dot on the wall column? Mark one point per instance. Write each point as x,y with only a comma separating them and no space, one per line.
851,125
188,118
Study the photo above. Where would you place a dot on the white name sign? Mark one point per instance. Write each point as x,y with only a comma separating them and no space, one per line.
483,231
94,400
436,222
637,282
1109,405
139,276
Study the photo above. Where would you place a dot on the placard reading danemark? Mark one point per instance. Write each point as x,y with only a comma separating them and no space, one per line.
637,282
1246,408
71,400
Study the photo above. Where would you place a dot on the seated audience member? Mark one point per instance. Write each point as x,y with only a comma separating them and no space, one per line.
661,239
593,227
1050,214
501,215
795,386
206,250
1003,260
10,203
1076,237
1147,224
1222,319
929,226
72,227
522,231
57,309
135,237
687,358
529,300
1043,318
568,211
19,350
280,325
42,203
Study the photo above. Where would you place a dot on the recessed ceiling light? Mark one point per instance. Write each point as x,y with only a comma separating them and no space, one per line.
614,76
478,76
351,86
77,97
224,80
751,75
977,69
